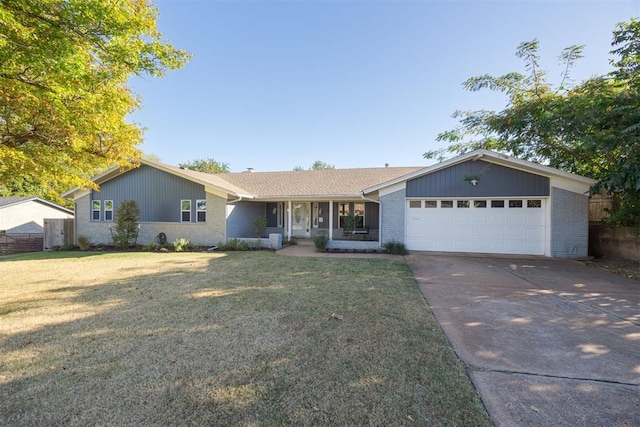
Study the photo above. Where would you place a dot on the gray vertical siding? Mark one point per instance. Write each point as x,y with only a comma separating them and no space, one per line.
493,181
569,224
241,216
157,192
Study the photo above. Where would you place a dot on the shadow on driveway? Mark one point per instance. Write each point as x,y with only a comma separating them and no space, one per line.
545,341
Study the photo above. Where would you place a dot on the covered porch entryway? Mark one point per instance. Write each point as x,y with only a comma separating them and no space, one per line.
338,219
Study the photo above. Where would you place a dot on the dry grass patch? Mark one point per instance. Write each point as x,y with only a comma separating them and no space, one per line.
223,339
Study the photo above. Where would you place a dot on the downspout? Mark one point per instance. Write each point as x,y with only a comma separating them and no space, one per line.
379,217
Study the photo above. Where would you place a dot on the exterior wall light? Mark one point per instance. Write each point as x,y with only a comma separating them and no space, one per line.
473,182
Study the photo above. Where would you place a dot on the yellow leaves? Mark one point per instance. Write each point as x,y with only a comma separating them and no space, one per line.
63,95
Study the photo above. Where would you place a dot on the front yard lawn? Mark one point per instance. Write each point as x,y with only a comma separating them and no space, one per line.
223,339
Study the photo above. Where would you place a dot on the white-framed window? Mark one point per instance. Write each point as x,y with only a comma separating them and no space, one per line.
315,214
358,211
108,210
201,210
95,210
280,212
413,204
185,210
534,203
343,210
430,204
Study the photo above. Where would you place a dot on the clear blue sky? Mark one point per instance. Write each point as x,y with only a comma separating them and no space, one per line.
276,84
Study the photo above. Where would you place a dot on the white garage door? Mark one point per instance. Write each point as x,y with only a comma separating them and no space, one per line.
505,226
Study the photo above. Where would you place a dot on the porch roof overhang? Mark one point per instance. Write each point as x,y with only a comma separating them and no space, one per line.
308,198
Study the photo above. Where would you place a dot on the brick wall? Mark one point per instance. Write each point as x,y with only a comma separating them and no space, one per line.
569,224
207,233
240,218
393,217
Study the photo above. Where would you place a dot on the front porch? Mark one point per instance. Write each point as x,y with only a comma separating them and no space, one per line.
347,223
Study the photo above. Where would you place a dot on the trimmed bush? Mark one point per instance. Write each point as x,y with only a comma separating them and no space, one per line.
320,241
181,244
394,247
83,242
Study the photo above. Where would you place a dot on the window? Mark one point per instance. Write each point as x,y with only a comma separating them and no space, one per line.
479,203
280,212
415,204
515,203
534,203
463,203
446,204
201,210
430,203
185,210
358,211
497,203
314,214
108,210
95,210
343,210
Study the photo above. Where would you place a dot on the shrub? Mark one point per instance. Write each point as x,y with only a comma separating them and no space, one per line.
181,244
259,225
394,247
83,242
320,241
126,224
152,247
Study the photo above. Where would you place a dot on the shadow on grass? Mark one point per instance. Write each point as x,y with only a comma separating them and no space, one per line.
243,338
34,256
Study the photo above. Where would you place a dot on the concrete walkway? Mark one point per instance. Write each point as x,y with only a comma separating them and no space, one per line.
546,342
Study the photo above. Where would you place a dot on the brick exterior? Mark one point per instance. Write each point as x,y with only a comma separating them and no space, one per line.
393,217
569,224
207,233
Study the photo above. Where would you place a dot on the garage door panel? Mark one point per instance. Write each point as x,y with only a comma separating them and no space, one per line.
488,230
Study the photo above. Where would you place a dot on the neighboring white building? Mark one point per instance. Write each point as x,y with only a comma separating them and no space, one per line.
26,215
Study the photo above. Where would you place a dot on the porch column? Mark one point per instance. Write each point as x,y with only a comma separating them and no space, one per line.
330,219
289,218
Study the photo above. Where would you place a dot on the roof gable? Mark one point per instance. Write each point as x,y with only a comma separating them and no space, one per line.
573,182
16,200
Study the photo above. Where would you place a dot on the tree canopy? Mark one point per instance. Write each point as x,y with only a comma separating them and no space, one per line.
316,166
64,66
206,165
591,128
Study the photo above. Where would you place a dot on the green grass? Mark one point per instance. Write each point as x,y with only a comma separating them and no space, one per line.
223,339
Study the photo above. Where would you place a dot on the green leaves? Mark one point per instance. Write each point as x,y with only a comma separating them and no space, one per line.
590,129
63,96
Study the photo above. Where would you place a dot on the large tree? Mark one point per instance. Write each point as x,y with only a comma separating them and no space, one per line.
592,128
64,67
206,165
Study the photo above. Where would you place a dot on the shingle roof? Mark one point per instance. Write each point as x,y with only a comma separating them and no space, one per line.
207,178
6,201
314,183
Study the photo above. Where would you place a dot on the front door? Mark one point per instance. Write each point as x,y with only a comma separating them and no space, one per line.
300,219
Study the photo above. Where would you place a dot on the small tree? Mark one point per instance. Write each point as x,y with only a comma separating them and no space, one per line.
259,225
126,224
350,223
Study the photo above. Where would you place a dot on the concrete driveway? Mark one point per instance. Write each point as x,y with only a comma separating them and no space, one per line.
546,342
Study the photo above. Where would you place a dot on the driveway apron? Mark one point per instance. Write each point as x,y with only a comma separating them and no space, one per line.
545,341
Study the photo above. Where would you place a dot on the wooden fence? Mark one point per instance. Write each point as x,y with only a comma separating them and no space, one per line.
599,207
20,243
